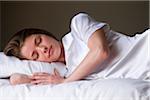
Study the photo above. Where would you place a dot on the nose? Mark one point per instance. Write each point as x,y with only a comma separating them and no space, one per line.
42,48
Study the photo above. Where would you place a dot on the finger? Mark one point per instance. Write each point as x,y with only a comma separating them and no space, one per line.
53,77
36,82
37,77
34,74
56,72
41,82
40,73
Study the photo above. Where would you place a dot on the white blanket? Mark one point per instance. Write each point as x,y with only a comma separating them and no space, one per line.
106,89
129,58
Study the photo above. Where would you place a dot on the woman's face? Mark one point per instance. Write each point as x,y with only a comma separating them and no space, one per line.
41,47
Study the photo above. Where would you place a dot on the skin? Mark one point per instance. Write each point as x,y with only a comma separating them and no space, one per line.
99,52
42,48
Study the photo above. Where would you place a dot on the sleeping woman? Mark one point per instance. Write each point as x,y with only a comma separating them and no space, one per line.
83,50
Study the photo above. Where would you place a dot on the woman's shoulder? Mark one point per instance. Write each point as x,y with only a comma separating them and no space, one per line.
79,16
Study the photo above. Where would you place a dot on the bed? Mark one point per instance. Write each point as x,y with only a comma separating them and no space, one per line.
111,86
106,89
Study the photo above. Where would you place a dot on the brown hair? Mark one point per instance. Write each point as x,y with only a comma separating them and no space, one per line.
16,42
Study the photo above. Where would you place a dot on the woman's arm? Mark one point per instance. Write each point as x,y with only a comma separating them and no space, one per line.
18,78
99,51
92,33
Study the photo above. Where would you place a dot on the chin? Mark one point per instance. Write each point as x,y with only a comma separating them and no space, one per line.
55,57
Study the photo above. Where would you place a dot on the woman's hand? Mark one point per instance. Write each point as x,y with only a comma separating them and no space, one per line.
46,78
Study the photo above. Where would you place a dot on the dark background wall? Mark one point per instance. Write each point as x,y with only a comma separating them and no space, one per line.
127,17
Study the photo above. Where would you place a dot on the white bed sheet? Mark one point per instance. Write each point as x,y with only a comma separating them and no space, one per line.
104,89
111,86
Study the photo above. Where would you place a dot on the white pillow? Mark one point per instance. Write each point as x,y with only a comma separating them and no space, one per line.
10,65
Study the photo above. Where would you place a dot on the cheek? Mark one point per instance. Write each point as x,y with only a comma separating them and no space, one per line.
43,58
